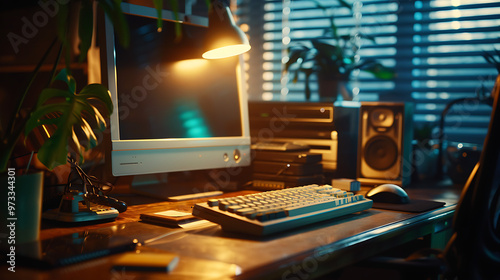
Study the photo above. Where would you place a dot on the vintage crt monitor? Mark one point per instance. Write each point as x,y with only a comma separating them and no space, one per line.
173,110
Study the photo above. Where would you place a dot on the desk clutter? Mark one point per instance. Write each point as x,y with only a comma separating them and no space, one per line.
365,141
85,200
283,165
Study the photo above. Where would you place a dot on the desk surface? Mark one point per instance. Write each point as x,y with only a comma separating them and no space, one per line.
310,251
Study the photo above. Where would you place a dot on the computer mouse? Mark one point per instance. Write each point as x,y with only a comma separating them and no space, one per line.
388,193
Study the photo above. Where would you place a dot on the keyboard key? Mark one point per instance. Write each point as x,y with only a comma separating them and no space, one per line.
233,208
213,202
223,205
245,211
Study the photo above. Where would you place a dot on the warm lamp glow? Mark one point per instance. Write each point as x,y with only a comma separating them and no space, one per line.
190,65
224,37
227,51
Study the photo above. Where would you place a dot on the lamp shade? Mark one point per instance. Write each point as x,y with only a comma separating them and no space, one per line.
224,38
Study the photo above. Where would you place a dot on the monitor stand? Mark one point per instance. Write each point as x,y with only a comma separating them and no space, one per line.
166,185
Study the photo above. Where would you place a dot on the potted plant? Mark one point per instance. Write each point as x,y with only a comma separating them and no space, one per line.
332,59
70,117
425,152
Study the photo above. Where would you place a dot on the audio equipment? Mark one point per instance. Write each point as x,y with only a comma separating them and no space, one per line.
286,168
384,145
295,157
328,128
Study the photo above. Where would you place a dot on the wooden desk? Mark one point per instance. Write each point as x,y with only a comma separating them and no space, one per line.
306,252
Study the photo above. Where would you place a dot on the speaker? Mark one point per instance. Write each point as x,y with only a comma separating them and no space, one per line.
384,143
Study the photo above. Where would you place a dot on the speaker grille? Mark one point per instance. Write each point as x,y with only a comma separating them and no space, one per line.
381,153
384,145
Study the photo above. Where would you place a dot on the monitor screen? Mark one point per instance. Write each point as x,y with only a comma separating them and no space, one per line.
173,110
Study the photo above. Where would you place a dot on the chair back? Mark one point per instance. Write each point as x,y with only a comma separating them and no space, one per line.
474,250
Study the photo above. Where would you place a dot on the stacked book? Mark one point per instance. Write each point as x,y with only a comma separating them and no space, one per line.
283,168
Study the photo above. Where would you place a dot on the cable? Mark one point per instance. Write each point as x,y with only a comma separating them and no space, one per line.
93,189
90,183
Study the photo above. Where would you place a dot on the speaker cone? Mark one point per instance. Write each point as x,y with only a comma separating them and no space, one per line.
382,118
381,153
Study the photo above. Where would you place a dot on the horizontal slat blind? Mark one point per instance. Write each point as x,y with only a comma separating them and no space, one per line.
436,48
446,43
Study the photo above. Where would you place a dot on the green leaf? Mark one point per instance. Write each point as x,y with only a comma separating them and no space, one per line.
63,18
99,92
178,28
112,8
332,28
85,28
100,121
380,71
49,93
62,23
366,36
294,55
327,50
76,141
65,77
74,111
86,128
345,4
36,117
159,6
48,122
342,3
56,142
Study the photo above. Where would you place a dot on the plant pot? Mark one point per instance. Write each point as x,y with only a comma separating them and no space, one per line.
328,89
21,207
424,158
329,85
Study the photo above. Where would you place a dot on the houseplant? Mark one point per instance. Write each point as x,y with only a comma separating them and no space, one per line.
68,117
331,58
71,117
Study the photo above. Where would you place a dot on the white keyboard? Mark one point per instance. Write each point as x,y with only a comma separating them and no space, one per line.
275,211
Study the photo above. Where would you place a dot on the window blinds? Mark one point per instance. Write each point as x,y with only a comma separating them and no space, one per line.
436,48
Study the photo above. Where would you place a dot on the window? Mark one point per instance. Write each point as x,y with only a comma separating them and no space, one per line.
436,48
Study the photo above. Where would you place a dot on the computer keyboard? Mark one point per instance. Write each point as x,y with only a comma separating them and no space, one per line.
279,210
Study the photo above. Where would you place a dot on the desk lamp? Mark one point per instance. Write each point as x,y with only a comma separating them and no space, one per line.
224,37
